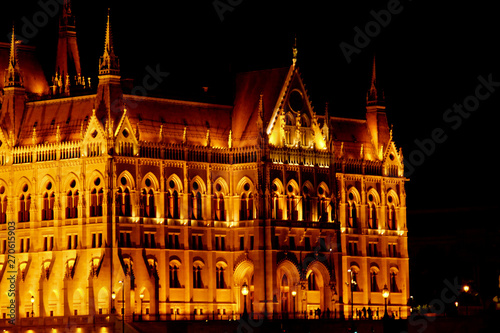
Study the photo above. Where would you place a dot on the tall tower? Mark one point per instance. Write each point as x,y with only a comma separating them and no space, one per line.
14,95
68,58
109,97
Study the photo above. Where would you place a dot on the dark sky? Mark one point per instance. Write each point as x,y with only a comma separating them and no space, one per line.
429,58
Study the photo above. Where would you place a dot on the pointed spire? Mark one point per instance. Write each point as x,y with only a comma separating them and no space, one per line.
13,76
295,52
375,94
109,63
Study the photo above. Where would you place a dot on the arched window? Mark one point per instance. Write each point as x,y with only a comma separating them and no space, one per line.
96,199
373,279
196,204
284,294
391,217
311,282
220,268
174,275
127,208
220,213
48,205
197,281
373,216
24,208
353,215
72,204
243,207
393,281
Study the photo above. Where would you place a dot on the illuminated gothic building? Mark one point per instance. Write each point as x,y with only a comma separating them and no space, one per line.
115,196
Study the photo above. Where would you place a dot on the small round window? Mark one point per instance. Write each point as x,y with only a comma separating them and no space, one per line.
147,182
195,186
123,180
125,133
296,101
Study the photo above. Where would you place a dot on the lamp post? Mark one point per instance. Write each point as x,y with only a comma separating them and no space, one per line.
466,290
244,292
32,305
385,294
141,296
353,283
123,307
294,293
113,296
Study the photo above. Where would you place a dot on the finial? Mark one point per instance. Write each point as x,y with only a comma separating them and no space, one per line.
375,93
295,51
230,140
109,63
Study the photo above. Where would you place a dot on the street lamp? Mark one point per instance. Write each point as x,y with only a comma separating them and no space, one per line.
32,305
244,292
141,296
113,296
123,307
294,293
385,294
466,290
353,283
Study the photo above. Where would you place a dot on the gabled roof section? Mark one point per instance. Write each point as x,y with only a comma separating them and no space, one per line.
249,86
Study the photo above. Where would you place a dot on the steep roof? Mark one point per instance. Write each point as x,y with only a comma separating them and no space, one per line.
175,115
33,75
249,87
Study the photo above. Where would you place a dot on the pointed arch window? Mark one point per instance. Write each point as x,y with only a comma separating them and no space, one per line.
311,282
372,217
353,215
123,205
219,275
373,280
393,282
172,205
24,207
48,206
96,199
174,276
391,217
219,207
197,281
72,204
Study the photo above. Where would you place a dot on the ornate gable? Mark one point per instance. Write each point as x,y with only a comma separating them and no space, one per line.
126,143
293,122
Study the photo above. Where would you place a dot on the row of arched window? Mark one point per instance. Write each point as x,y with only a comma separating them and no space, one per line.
197,279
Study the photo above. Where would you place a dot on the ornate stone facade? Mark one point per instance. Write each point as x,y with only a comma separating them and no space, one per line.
186,202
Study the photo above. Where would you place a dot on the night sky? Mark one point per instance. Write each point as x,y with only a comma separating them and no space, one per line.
429,57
